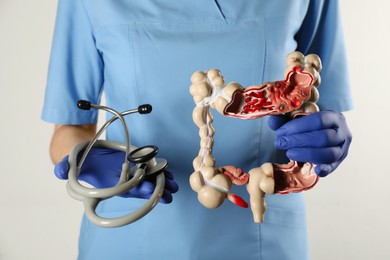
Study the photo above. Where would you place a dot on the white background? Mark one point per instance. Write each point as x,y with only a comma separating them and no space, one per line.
348,212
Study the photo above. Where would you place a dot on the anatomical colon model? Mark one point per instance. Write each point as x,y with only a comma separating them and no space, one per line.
295,96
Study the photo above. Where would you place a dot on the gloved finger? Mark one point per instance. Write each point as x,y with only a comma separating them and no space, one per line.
321,138
142,190
323,170
275,122
166,198
171,185
325,155
61,169
146,193
168,174
312,122
145,187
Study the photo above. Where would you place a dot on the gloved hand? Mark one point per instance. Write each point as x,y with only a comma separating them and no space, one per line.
102,169
322,138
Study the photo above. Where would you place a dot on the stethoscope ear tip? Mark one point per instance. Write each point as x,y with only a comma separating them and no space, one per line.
145,109
84,104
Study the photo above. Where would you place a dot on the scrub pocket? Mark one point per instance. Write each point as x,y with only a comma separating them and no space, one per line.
97,242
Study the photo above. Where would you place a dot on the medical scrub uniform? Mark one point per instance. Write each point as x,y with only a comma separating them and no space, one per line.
145,52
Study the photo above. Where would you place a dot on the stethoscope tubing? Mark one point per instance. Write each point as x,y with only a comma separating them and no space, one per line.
129,177
116,116
90,205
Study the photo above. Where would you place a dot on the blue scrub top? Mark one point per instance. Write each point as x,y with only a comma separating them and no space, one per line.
145,52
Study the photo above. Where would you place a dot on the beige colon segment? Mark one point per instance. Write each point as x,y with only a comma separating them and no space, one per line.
209,182
261,181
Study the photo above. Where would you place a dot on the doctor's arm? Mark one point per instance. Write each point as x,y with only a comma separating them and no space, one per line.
65,137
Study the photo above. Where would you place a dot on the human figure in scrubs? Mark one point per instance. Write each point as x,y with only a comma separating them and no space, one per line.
145,52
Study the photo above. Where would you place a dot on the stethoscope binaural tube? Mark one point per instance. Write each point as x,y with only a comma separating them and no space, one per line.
147,165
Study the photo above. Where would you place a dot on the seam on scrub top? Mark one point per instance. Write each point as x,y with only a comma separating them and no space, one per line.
261,122
175,23
222,14
295,213
338,104
260,127
135,61
258,160
265,48
88,16
260,241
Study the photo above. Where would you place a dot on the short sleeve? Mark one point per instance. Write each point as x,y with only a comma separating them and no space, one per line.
321,33
75,69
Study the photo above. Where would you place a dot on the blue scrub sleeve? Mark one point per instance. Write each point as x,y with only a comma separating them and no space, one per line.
321,33
75,69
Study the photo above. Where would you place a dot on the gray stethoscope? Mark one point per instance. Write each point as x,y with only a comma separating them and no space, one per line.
144,162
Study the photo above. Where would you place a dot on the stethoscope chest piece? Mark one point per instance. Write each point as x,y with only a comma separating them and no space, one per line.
145,157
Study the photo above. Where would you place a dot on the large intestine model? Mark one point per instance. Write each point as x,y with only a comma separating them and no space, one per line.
294,97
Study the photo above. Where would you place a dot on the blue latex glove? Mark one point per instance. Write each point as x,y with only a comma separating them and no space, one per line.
102,169
322,138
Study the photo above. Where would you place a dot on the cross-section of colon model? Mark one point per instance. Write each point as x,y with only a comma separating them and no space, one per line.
294,96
